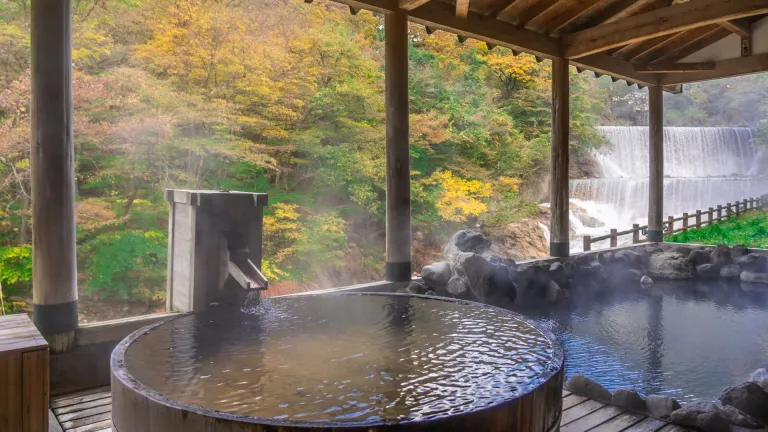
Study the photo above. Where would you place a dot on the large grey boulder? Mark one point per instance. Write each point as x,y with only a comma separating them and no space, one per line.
457,287
630,258
721,255
748,276
437,274
466,241
702,415
731,271
476,272
698,257
670,265
554,293
748,398
753,262
738,418
558,274
708,271
628,398
584,386
661,406
760,377
500,285
739,251
416,288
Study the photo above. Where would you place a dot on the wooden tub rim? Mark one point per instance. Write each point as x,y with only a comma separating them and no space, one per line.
120,372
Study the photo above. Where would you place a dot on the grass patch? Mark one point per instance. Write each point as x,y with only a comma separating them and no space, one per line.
750,230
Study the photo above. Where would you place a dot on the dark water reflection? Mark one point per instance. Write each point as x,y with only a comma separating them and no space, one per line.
351,358
685,339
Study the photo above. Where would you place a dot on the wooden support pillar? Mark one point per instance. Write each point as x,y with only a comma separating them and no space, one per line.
635,233
614,237
53,174
398,267
656,168
559,228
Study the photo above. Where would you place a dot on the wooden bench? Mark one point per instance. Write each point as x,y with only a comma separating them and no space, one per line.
24,369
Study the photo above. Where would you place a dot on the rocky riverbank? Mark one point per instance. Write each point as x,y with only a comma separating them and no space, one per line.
474,270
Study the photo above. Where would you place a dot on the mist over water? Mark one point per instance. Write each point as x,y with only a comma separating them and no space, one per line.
703,167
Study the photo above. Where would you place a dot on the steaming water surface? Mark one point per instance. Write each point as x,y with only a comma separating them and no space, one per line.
689,340
349,358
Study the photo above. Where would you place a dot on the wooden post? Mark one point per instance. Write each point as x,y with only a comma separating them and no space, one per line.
656,168
559,228
587,243
635,233
614,238
719,213
710,215
671,224
685,221
52,161
745,205
698,218
398,230
737,206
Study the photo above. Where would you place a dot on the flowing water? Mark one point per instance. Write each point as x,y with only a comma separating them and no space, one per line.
688,340
346,359
703,167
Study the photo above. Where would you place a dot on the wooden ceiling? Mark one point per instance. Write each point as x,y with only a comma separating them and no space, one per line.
640,41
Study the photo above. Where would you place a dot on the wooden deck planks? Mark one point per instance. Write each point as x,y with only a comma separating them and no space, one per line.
91,411
86,411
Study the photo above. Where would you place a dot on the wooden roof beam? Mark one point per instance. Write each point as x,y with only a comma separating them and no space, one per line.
462,8
625,9
587,10
723,69
656,68
410,4
667,20
684,50
671,44
740,27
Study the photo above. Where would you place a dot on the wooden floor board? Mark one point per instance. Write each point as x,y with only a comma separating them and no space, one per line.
578,411
593,419
91,411
619,423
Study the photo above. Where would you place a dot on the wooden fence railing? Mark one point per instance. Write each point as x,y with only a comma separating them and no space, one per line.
721,212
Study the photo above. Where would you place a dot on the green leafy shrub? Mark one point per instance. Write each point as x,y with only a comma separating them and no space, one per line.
127,264
15,273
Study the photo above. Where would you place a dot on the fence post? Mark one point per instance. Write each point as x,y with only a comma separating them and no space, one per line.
698,218
614,237
710,214
719,213
738,208
635,233
745,205
751,204
671,224
727,211
587,243
685,221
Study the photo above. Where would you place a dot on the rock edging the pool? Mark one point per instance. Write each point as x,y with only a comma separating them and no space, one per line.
471,272
744,406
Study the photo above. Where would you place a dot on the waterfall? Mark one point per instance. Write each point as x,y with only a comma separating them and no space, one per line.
703,167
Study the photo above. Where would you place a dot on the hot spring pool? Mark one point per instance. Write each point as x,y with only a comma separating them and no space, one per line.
688,340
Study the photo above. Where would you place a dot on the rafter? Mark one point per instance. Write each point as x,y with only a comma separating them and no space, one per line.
695,45
671,44
726,68
671,19
552,16
740,27
535,11
629,52
410,4
462,8
579,10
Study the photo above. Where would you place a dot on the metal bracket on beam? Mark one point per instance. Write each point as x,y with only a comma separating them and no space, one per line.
746,47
